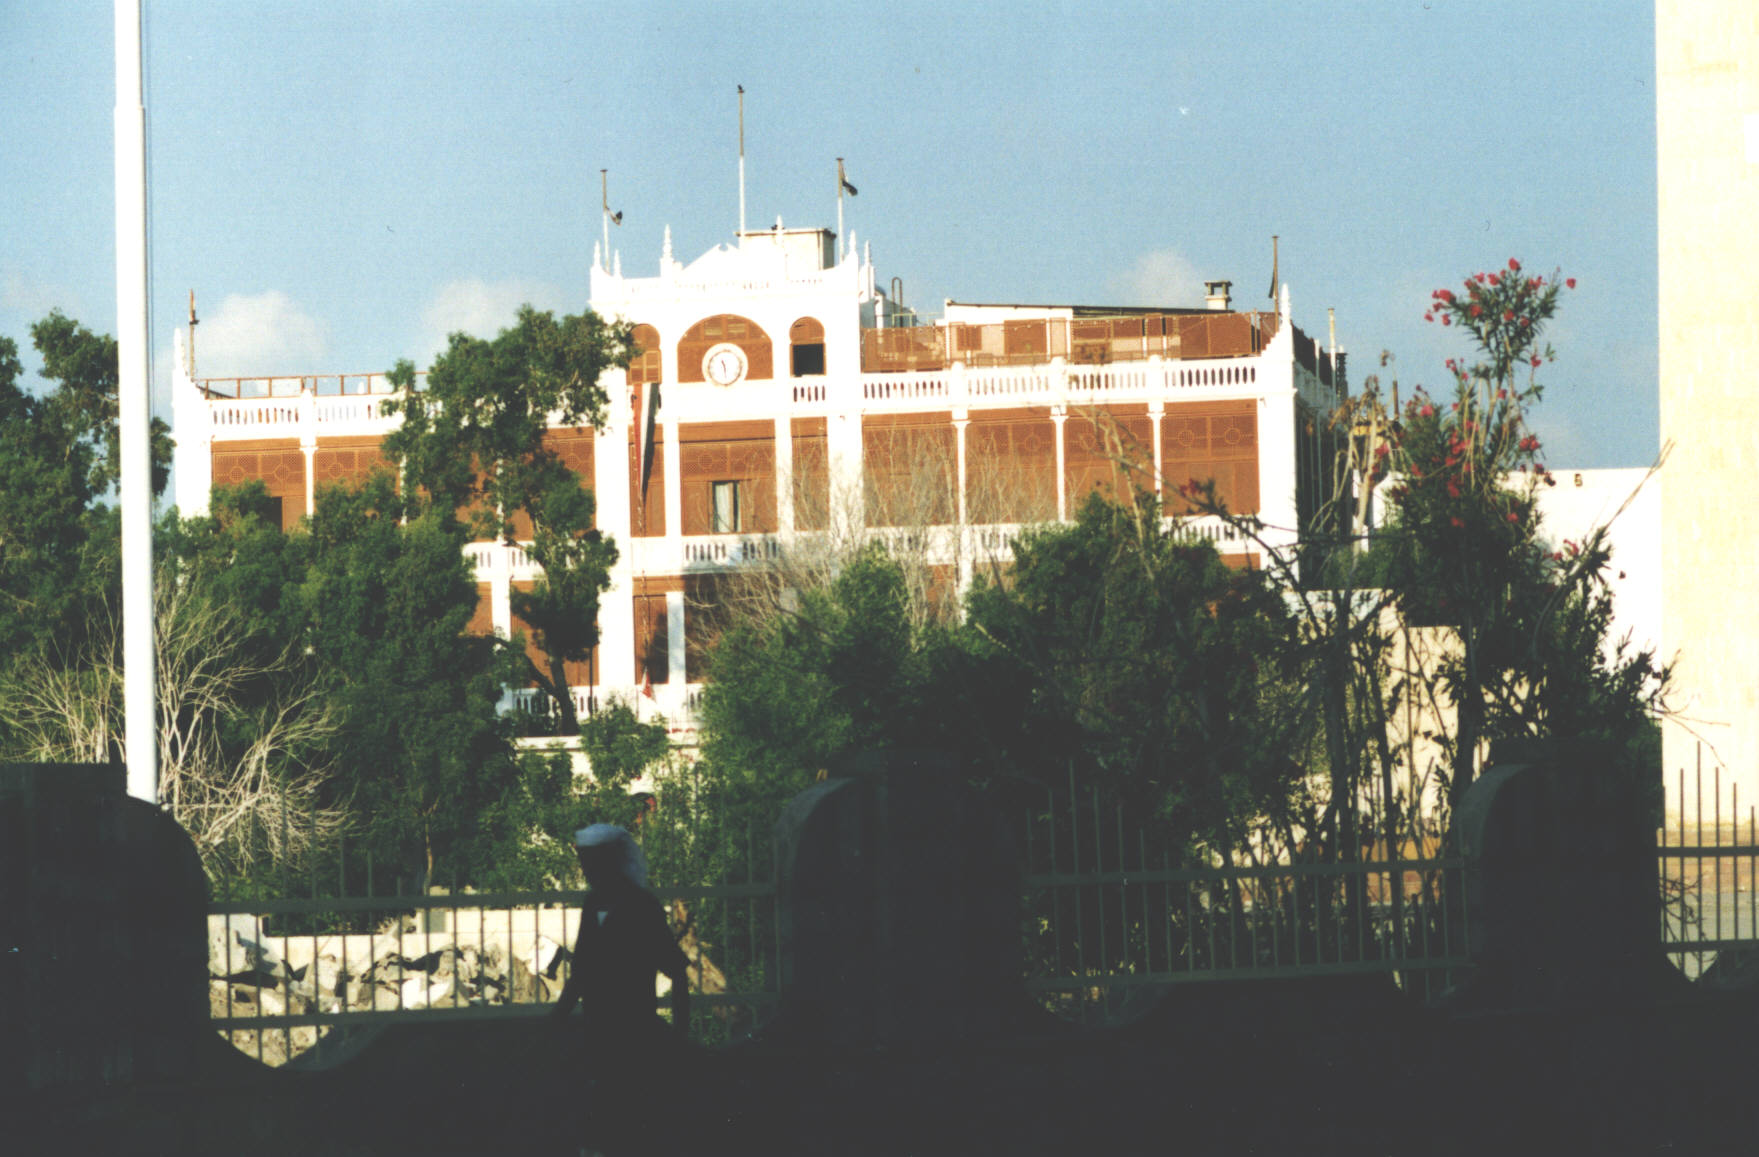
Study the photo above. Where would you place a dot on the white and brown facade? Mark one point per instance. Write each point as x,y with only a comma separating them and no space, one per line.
796,400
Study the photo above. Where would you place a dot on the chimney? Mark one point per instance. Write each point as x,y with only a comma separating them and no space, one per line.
1216,294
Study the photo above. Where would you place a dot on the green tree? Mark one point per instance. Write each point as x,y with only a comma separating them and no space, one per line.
1120,648
843,670
384,605
473,440
59,538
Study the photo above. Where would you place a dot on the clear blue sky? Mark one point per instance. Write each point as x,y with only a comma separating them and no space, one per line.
341,183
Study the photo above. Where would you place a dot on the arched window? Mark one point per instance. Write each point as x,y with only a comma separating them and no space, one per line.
806,348
645,367
727,328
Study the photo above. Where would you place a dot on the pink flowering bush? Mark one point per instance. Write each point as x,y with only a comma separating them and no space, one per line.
1468,552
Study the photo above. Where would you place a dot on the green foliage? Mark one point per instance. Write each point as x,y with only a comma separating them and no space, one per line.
59,541
844,671
621,749
86,399
473,441
1140,658
1111,646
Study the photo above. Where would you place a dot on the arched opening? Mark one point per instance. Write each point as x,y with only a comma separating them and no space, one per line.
732,329
806,348
645,366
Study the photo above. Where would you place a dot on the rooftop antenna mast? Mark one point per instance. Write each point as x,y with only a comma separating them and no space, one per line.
610,217
192,324
741,160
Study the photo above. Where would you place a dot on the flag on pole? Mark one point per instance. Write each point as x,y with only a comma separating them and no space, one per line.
1273,266
647,404
605,200
842,181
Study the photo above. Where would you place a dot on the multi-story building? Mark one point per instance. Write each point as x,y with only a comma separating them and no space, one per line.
798,401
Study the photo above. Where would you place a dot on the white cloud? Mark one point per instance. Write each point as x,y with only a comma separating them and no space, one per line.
259,334
33,297
479,308
1164,277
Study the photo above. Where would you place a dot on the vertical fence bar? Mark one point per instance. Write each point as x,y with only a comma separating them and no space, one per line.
1191,929
750,916
1075,857
1295,914
1209,919
1677,931
1123,890
1698,826
1105,955
1734,860
1142,869
1356,880
1166,903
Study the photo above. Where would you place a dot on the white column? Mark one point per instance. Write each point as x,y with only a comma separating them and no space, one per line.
784,477
674,484
961,420
675,672
1157,410
500,579
843,450
1060,418
192,426
611,463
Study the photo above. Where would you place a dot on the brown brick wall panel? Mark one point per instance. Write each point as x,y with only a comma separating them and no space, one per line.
1212,440
743,452
910,469
1109,449
278,463
1011,466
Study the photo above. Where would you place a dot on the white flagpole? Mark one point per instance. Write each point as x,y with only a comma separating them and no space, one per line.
605,215
134,410
841,242
742,160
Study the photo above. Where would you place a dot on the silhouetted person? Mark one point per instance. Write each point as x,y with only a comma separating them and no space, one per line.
624,943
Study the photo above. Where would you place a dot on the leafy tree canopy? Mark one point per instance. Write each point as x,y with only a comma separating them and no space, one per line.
472,440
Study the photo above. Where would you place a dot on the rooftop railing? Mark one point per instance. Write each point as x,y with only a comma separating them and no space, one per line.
319,385
1079,341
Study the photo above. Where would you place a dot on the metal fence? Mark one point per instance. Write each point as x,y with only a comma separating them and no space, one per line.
288,973
1110,911
1708,862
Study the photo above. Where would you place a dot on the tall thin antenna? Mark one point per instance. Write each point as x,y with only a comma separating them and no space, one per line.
741,160
191,343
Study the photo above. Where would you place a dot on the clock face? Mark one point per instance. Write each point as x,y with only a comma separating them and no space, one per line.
724,364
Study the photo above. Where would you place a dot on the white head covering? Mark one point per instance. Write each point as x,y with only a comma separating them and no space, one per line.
631,862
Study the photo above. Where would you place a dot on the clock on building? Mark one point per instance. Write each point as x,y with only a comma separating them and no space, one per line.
724,364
